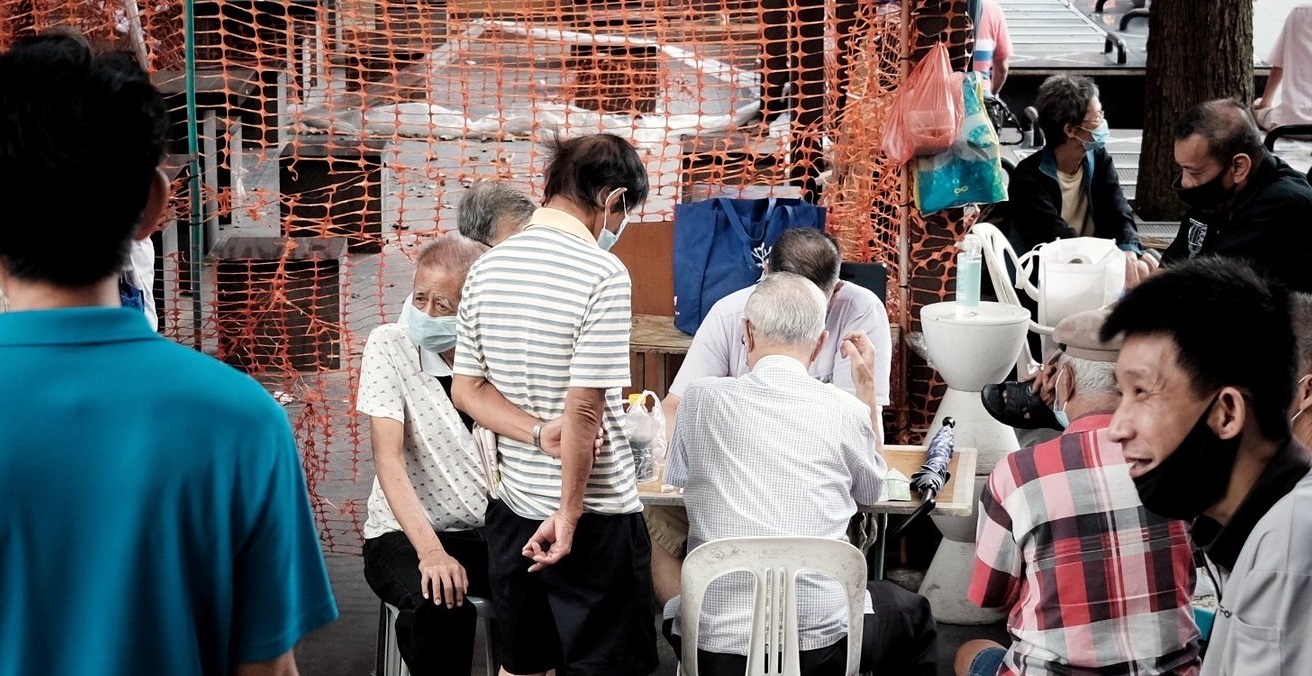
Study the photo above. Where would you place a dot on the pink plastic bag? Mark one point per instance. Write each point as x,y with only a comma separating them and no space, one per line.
926,116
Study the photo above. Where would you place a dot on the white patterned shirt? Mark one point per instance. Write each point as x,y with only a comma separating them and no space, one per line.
774,452
440,457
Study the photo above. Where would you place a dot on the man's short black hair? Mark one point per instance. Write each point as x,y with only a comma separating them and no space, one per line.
1231,327
1226,126
82,137
809,252
586,169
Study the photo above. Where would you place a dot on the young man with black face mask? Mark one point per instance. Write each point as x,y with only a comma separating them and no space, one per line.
1206,432
1243,201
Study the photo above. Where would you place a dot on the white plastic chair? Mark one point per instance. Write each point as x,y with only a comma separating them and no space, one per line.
388,658
776,563
996,251
1077,274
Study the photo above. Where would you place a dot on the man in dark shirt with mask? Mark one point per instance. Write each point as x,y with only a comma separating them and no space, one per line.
1206,434
1243,201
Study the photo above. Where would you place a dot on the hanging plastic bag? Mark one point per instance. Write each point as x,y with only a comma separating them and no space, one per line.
646,432
970,172
927,113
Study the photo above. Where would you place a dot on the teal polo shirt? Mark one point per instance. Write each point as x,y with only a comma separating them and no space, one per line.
154,517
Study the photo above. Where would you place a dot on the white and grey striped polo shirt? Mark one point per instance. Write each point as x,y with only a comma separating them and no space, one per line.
544,311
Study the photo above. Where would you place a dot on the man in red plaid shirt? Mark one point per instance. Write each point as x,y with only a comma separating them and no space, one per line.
1096,584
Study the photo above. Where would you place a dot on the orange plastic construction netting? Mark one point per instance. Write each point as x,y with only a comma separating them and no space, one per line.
334,138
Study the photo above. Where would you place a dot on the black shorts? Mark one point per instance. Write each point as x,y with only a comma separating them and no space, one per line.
592,613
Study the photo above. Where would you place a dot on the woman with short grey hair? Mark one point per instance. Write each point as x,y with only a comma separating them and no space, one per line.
1070,188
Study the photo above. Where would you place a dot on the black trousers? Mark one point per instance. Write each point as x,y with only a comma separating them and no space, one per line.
588,615
900,637
433,640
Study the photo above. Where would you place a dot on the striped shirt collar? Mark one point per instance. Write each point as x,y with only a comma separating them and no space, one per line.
559,220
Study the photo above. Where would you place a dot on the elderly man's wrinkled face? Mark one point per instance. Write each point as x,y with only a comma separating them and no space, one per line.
437,291
1158,405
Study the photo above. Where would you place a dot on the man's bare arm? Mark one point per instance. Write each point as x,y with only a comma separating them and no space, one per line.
491,410
553,540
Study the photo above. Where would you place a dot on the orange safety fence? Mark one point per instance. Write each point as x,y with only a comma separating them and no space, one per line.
335,138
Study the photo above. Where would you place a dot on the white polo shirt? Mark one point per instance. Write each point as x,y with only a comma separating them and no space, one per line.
545,311
440,457
720,349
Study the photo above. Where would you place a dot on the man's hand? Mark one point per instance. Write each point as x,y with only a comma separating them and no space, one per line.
551,435
1044,380
446,577
857,348
1138,268
552,542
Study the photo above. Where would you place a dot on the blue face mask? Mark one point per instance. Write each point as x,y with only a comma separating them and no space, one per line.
607,239
431,333
1099,134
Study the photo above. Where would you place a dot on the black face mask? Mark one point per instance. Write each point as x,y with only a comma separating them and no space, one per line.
1192,478
1207,196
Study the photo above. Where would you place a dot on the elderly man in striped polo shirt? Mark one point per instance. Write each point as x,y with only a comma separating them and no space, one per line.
543,353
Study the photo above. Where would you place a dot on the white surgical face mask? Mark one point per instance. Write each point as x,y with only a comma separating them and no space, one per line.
607,239
432,335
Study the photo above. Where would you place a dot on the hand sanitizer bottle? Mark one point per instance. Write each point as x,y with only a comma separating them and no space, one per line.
968,271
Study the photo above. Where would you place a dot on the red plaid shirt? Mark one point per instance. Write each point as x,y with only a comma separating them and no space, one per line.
1096,584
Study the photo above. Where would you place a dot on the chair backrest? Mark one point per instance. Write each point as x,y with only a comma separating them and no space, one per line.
1076,274
776,563
870,276
997,252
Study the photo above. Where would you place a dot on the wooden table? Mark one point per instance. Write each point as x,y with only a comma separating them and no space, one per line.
655,335
956,498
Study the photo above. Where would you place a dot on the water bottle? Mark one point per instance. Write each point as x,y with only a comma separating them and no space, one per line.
641,429
969,263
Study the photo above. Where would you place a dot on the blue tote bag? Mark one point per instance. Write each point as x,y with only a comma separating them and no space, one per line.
721,245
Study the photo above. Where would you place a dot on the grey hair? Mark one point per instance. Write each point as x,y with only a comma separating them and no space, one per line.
786,309
1300,307
1091,377
1063,100
452,251
489,207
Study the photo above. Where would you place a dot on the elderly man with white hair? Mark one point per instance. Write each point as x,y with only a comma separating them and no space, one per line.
1094,582
424,550
777,452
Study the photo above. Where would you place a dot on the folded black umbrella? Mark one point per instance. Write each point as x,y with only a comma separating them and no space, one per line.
933,473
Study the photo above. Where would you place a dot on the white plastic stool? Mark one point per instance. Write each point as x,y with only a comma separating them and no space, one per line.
389,662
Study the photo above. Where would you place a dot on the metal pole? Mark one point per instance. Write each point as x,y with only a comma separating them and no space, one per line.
196,225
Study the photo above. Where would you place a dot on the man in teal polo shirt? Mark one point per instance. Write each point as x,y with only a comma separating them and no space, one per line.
153,511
